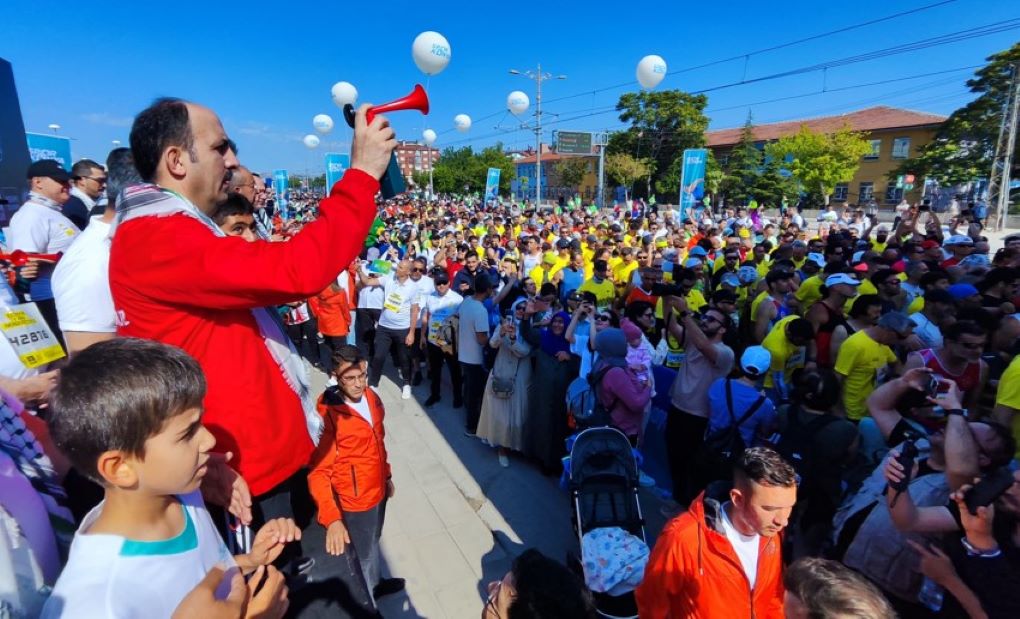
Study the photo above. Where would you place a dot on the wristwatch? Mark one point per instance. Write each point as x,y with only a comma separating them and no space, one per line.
962,412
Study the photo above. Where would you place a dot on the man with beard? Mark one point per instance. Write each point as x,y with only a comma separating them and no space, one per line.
88,184
175,278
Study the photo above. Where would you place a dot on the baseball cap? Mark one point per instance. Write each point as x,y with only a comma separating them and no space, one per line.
756,360
697,252
841,278
49,168
858,255
861,268
692,262
959,239
962,291
747,274
549,258
562,244
730,279
817,258
976,261
896,321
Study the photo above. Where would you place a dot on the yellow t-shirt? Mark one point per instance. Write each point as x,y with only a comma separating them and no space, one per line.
756,302
695,301
916,305
866,287
540,276
763,267
622,273
785,356
860,360
614,262
809,292
604,292
1009,395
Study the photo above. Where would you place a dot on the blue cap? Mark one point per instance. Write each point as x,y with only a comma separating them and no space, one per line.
962,291
756,360
747,274
730,279
697,252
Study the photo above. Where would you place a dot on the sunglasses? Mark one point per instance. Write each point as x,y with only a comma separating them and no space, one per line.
602,317
417,270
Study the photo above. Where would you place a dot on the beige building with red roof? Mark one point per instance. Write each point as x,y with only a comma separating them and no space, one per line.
895,134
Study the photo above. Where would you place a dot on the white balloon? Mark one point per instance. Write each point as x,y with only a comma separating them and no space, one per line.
650,71
322,123
311,140
462,122
344,93
429,137
517,102
431,52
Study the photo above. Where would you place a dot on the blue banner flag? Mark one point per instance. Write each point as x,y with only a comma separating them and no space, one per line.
492,184
42,146
280,187
336,165
692,178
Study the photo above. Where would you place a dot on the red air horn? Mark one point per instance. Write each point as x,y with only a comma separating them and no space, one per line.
392,182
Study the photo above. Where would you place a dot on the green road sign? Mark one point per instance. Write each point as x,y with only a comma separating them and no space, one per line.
573,143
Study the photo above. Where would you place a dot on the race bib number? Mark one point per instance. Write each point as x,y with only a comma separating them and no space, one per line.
30,336
394,302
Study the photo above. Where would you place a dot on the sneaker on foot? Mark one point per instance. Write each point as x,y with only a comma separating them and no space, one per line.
387,586
470,433
644,480
504,461
405,393
432,401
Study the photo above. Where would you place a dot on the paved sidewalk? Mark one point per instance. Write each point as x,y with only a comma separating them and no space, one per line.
458,519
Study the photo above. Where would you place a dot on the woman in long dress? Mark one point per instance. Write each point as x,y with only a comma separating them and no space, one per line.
546,426
502,418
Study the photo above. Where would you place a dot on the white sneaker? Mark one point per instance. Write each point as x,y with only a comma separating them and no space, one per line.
504,461
405,394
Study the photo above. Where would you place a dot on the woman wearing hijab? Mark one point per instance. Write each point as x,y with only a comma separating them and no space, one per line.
546,426
505,402
620,390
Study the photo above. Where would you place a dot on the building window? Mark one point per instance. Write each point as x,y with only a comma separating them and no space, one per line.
866,193
901,148
893,194
839,194
876,149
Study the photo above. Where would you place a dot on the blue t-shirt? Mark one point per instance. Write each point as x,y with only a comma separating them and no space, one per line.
744,397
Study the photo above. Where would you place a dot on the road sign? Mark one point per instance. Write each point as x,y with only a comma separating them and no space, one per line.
573,142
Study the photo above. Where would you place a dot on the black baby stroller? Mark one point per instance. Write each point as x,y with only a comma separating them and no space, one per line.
604,488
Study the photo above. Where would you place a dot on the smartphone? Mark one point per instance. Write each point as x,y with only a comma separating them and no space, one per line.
906,460
933,386
990,488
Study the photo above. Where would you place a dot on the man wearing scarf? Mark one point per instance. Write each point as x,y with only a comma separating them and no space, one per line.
176,278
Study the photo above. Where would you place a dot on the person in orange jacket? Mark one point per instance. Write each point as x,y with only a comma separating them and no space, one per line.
350,478
332,308
722,559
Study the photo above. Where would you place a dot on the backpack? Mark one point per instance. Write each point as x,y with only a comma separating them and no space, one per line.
583,403
724,446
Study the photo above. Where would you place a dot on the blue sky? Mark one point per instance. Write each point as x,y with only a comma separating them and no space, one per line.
267,68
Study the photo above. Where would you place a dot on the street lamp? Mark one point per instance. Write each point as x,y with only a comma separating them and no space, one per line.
54,127
539,77
116,143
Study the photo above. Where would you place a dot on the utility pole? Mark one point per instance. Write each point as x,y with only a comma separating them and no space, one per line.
539,77
1002,163
601,139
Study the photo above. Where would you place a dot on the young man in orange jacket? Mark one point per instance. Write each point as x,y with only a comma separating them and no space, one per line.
723,559
350,478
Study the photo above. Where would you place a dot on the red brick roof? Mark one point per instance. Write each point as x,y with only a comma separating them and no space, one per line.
868,119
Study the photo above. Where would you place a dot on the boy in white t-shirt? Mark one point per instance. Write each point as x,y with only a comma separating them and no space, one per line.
128,414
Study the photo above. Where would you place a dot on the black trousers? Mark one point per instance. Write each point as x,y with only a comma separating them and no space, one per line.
437,358
364,330
305,341
685,434
385,340
475,378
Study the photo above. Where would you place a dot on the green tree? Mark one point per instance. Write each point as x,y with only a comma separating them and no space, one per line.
662,124
770,187
965,143
625,170
714,175
571,171
458,168
743,167
420,179
820,161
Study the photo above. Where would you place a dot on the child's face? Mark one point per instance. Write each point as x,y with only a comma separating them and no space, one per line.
175,459
634,343
240,225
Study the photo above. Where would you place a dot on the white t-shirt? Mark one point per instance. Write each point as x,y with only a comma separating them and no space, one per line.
440,308
425,287
361,407
746,546
474,318
111,576
81,282
40,229
397,300
926,330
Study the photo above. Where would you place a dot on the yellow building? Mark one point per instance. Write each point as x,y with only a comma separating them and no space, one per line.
552,187
895,134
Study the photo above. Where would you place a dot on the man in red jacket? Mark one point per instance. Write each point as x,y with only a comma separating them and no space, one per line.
178,279
723,559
